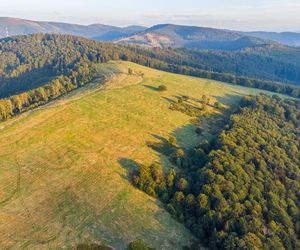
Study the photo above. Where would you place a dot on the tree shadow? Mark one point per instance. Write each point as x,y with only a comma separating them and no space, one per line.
229,99
188,141
25,81
131,167
92,246
151,87
163,146
129,164
169,100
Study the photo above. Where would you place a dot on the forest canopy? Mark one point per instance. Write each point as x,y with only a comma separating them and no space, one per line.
38,68
241,190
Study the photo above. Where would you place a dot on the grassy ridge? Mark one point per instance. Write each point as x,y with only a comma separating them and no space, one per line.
64,167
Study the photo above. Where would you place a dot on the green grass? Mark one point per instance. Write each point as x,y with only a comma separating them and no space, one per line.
64,167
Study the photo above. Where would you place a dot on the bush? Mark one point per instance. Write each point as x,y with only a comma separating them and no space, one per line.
138,245
162,88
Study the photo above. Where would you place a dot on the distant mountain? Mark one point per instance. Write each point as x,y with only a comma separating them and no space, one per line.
177,36
14,26
286,38
161,36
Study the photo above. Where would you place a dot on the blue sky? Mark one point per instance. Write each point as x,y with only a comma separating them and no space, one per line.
276,15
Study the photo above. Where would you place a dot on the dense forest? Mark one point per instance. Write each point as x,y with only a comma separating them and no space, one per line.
242,189
268,62
38,68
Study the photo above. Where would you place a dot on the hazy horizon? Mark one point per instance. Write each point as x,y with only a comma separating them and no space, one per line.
244,15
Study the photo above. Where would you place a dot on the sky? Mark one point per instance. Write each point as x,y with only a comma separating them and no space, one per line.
248,15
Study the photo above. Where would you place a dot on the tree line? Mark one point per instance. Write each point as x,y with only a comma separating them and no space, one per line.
38,68
240,190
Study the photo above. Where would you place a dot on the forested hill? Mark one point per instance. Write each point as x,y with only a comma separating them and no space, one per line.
179,36
287,38
241,191
15,26
38,68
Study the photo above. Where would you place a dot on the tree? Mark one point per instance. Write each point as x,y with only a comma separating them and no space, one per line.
157,173
199,130
162,88
138,245
172,140
217,105
241,190
171,177
182,184
180,153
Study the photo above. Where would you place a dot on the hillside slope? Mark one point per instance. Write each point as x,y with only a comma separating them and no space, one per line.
64,167
29,62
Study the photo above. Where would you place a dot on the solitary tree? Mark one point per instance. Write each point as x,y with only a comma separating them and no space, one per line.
162,88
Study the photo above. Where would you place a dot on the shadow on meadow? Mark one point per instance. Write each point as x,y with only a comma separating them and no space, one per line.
151,87
93,246
229,99
201,128
174,150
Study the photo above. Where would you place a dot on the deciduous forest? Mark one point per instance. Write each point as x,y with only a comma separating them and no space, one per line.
38,68
240,190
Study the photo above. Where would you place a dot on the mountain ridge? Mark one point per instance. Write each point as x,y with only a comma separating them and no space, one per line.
180,36
286,38
10,26
160,35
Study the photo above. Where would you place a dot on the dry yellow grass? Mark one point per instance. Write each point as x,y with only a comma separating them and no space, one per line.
64,167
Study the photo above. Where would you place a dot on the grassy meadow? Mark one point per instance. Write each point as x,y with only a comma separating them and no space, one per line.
64,166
